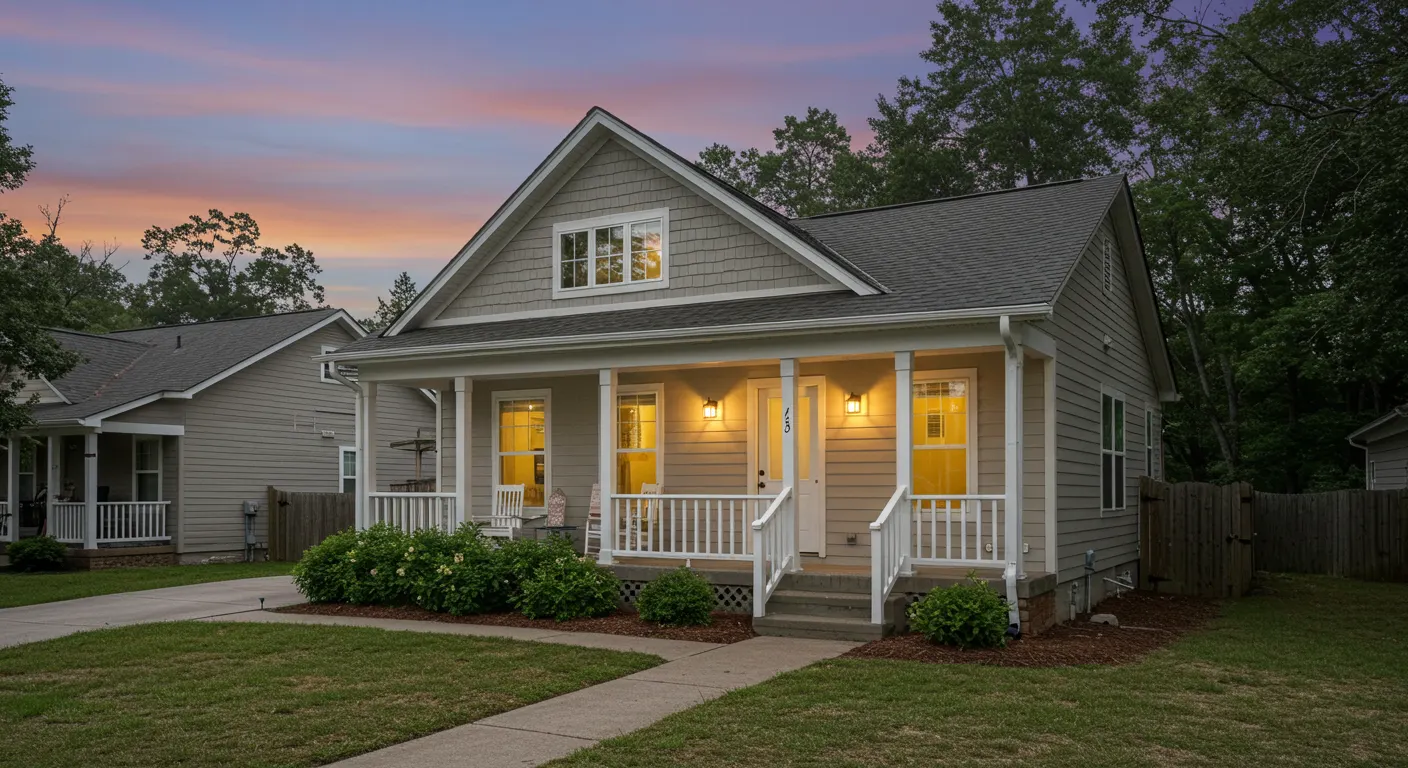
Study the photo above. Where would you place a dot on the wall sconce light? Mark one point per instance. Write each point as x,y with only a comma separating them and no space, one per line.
711,408
853,403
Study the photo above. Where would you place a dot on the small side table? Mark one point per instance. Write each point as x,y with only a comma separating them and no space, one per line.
570,531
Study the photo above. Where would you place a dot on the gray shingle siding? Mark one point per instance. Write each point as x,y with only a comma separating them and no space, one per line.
709,251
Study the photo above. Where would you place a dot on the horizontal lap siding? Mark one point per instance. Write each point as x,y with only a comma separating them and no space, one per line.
1085,314
709,251
263,426
1390,457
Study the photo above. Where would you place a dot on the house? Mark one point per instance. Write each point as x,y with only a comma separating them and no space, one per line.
830,412
1385,444
158,437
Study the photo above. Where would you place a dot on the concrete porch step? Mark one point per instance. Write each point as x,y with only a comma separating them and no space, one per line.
819,627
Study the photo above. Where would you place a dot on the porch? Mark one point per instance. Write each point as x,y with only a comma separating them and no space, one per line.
875,465
91,488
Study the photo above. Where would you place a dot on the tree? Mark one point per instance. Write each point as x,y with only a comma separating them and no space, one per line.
198,273
403,294
28,297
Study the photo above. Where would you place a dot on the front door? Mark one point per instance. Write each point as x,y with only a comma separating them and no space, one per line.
811,464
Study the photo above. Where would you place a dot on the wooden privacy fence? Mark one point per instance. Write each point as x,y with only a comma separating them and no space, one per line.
298,521
1357,534
1196,538
1201,539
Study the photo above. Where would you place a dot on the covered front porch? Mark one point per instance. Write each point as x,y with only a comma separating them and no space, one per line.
91,487
872,464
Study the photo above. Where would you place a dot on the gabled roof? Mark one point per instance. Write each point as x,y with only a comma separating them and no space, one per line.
566,158
1009,250
127,369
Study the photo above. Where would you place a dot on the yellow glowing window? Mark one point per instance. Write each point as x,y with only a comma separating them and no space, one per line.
637,440
940,436
522,457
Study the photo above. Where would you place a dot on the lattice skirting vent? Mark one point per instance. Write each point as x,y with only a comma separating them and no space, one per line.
730,598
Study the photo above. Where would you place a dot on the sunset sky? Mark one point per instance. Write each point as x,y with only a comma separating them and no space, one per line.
382,137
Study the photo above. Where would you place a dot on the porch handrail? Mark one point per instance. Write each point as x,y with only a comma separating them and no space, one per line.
774,550
705,526
971,538
413,511
888,555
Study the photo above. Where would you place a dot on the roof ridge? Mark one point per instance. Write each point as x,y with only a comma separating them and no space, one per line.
225,320
951,198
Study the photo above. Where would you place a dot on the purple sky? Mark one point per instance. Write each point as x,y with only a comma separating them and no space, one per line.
382,138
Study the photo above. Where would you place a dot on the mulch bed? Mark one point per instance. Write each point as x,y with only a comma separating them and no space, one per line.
726,627
1148,622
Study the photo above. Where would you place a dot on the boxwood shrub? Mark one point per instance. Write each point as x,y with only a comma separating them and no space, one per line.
679,597
40,553
971,615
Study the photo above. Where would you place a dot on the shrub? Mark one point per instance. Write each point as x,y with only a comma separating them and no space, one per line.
569,587
680,597
41,553
324,574
971,615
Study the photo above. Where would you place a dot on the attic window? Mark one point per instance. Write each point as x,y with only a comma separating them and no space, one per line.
626,252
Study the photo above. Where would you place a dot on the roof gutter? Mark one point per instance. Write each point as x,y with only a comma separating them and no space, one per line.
711,333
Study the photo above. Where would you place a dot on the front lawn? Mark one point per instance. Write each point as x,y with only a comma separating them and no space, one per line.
1315,674
197,694
30,588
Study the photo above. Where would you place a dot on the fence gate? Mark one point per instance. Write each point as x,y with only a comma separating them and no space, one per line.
298,521
1196,538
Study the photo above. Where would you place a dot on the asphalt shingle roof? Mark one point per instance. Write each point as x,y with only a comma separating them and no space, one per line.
1008,248
124,366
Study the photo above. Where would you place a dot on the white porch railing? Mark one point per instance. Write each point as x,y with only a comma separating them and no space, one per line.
685,526
67,522
964,531
774,548
126,521
411,512
888,557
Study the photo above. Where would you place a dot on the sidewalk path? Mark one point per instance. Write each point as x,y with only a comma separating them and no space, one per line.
31,623
693,673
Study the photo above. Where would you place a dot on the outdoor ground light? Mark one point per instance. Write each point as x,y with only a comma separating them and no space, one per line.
852,403
711,408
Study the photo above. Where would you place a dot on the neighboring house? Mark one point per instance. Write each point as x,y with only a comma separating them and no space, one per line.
1385,444
887,395
157,438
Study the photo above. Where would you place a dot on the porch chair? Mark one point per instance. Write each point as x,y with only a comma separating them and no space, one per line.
506,517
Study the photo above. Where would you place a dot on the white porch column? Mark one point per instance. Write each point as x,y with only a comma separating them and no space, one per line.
12,488
368,451
359,431
904,448
1012,466
90,490
464,391
790,474
606,464
51,481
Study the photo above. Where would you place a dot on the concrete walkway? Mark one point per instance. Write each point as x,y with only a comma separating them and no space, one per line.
693,673
31,623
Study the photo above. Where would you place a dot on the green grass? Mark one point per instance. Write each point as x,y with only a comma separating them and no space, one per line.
1315,674
30,588
205,694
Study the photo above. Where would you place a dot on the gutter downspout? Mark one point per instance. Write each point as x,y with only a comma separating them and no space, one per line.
1013,569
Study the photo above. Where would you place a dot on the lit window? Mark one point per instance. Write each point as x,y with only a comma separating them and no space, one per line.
521,443
347,463
1112,474
146,464
942,409
637,439
611,253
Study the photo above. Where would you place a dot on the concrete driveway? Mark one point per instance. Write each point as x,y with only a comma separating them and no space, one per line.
31,623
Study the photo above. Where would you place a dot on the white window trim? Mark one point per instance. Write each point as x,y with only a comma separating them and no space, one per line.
1122,492
623,219
342,475
325,368
159,471
658,390
523,394
971,374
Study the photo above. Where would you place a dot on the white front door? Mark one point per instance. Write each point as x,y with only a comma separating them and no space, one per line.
811,463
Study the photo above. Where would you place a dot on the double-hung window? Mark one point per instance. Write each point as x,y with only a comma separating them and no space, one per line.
638,457
1112,474
522,440
611,253
146,465
347,469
